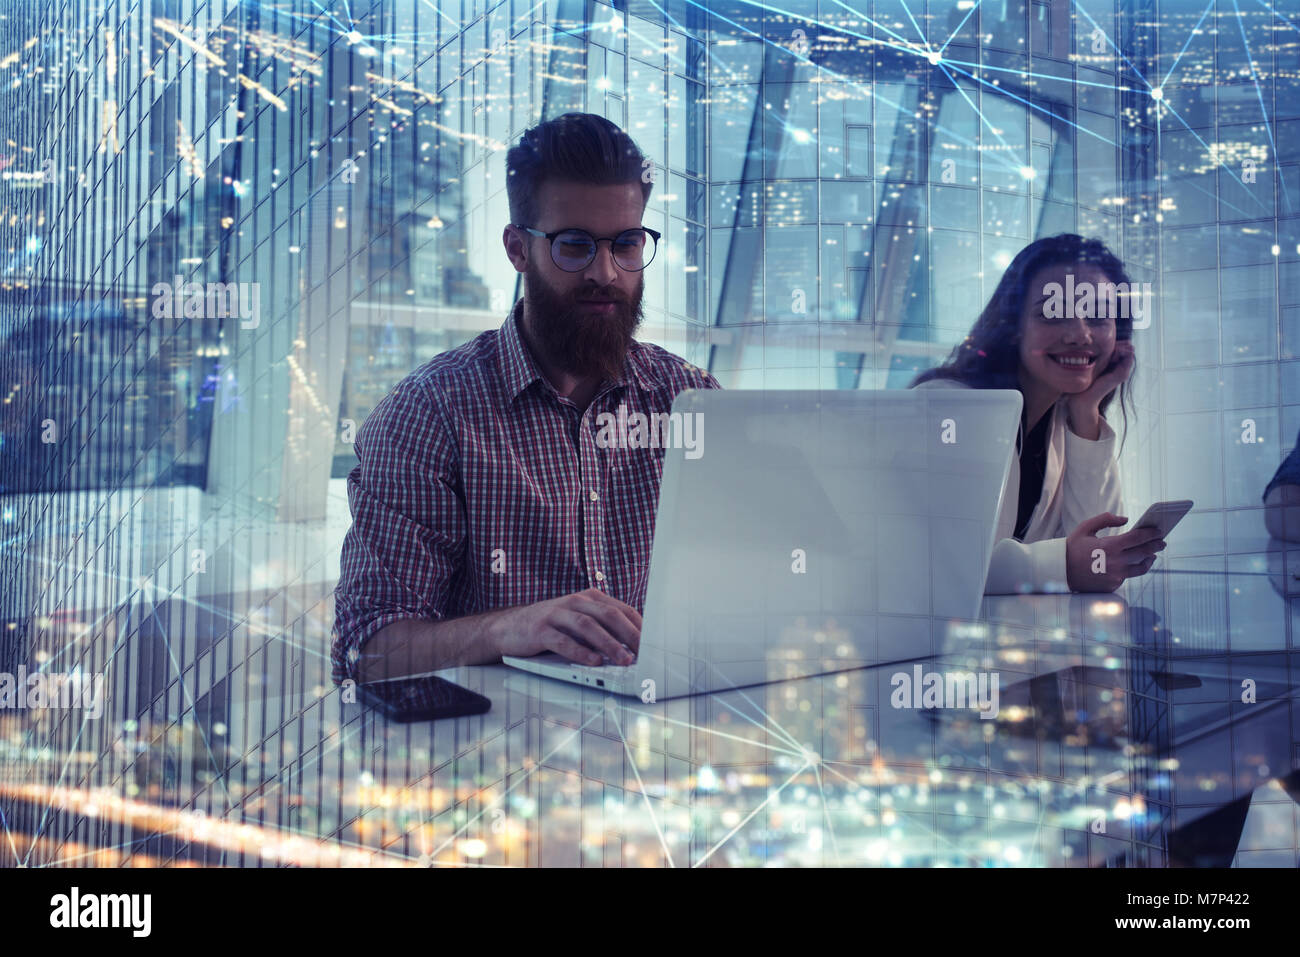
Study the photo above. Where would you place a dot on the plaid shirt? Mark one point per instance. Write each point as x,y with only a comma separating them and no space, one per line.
480,487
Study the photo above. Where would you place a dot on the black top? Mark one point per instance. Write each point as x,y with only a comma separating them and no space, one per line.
1033,466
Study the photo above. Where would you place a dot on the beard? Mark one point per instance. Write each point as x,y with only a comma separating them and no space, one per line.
581,342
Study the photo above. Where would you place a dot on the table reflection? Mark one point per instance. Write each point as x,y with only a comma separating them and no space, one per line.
1148,728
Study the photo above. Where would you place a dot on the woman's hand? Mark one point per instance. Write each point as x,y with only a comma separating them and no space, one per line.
1098,564
1085,415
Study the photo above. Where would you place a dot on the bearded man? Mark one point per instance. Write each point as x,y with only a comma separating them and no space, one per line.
488,518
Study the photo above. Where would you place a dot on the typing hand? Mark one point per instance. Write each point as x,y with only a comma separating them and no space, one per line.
589,627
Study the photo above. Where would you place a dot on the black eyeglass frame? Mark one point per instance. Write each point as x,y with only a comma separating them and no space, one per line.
596,241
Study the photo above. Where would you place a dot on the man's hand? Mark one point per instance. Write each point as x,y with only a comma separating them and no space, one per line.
1123,556
582,627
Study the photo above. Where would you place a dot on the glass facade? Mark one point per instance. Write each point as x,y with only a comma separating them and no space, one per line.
231,228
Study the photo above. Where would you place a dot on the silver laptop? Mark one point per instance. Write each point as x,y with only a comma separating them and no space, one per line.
813,532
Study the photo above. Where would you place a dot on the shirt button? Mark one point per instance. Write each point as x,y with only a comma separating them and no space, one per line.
600,576
594,496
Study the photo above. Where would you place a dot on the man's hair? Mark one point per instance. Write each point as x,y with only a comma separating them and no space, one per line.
576,147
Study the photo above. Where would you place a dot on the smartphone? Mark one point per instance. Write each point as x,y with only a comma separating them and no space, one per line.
422,699
1164,516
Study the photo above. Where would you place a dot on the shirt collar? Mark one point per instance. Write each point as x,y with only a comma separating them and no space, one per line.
519,370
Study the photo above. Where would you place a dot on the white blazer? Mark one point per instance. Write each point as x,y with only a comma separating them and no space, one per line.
1081,480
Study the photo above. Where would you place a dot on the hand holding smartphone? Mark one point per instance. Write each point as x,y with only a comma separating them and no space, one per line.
1163,516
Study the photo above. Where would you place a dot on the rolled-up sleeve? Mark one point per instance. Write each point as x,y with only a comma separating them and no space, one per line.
408,532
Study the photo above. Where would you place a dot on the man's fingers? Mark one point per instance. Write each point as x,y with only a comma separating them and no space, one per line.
562,644
590,632
632,614
617,620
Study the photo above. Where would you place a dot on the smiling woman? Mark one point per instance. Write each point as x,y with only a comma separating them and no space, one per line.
1068,364
1017,321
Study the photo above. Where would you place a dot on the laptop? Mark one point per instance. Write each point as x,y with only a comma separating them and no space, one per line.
813,532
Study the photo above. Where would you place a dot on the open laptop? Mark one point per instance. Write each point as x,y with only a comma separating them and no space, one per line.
819,531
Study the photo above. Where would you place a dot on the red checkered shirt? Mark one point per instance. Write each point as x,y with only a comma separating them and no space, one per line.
480,487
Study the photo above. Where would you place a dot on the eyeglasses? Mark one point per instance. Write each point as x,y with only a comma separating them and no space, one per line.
574,249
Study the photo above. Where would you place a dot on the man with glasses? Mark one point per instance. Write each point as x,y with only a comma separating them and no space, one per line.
488,516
